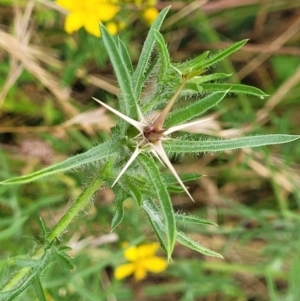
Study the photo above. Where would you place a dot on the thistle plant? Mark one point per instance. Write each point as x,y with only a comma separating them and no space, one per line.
134,161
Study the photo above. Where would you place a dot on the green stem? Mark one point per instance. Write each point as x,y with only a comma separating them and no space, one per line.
80,203
20,277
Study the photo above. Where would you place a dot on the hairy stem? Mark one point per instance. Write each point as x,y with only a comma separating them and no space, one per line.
80,203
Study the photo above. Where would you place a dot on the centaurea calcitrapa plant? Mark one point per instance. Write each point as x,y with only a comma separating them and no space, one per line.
132,160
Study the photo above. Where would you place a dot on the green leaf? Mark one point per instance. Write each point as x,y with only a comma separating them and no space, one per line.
190,219
139,74
210,77
25,276
163,50
155,218
175,189
26,262
186,146
193,64
64,259
125,55
39,289
190,243
93,155
223,54
164,200
129,104
185,177
234,88
119,200
129,186
195,109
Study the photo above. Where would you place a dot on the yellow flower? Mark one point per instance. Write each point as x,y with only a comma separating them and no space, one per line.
112,28
150,14
87,14
141,259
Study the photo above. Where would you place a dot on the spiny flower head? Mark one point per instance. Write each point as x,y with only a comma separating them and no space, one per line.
152,134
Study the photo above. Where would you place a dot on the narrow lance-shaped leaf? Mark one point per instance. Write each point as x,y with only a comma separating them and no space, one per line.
192,64
223,54
64,260
186,146
129,103
39,288
95,154
163,50
184,218
188,242
125,55
163,199
210,77
119,200
155,219
129,186
139,74
195,109
234,88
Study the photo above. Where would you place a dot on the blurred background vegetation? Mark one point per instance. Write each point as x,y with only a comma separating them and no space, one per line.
47,79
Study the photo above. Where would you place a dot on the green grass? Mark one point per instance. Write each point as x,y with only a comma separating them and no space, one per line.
252,195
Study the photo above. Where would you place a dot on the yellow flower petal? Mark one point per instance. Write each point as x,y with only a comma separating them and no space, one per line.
106,12
155,264
73,22
131,254
112,28
67,4
92,26
150,14
142,260
139,272
147,250
124,270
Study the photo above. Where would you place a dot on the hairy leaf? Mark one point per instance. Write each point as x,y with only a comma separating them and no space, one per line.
164,200
93,155
139,74
186,146
191,244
